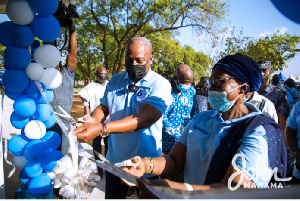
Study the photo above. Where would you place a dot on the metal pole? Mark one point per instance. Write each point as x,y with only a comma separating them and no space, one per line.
2,183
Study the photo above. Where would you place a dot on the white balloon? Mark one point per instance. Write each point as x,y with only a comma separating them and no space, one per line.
35,129
47,55
52,78
51,175
19,12
34,71
19,161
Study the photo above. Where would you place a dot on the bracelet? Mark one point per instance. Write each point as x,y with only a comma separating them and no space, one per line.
189,187
151,166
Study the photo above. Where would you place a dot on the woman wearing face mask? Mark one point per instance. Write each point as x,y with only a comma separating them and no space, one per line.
227,145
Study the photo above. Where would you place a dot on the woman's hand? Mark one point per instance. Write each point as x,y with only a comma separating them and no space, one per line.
139,170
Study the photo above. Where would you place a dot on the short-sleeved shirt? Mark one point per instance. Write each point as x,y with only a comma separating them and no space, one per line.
293,122
291,93
264,105
63,95
276,94
202,137
121,102
92,93
202,99
177,116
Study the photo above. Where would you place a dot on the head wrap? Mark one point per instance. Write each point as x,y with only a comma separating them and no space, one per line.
242,67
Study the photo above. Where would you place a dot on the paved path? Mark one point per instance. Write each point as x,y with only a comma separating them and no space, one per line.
11,184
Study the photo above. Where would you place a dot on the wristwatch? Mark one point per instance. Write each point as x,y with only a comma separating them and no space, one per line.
104,132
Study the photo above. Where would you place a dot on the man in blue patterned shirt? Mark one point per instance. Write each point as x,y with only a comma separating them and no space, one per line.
184,106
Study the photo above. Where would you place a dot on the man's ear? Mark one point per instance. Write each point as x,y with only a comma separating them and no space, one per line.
151,58
244,88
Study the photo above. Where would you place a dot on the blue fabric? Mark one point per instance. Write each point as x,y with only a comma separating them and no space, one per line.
290,93
178,115
154,90
202,137
242,67
229,145
293,122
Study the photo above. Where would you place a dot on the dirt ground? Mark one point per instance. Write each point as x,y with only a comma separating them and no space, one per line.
77,108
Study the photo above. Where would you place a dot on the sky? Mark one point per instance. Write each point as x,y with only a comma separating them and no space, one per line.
255,17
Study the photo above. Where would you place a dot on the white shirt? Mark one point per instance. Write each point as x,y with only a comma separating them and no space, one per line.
268,109
92,93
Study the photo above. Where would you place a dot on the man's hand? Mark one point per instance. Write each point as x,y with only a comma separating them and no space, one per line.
138,171
88,131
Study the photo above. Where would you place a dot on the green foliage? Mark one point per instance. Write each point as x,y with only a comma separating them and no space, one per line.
105,26
2,48
277,48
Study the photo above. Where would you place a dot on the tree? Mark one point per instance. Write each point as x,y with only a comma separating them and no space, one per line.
2,48
113,23
277,48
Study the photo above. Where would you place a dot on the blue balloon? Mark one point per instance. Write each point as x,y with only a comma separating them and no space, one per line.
15,80
33,169
23,177
7,66
33,92
52,138
23,193
40,185
22,35
43,112
22,131
49,123
16,144
17,121
51,161
24,106
14,95
49,96
36,150
36,44
17,57
46,28
45,7
5,38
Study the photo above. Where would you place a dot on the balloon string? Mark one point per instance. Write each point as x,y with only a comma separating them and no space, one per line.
3,131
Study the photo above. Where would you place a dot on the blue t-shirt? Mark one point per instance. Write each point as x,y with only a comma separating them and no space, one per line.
290,93
178,115
154,90
293,122
202,137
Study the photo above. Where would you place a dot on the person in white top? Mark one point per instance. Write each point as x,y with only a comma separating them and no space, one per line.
263,104
94,91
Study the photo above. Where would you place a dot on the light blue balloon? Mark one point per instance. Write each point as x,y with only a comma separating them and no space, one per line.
45,7
14,95
43,112
15,80
33,169
40,185
46,28
36,150
5,38
23,177
51,161
52,138
16,144
17,121
24,106
33,92
17,57
49,123
49,96
22,35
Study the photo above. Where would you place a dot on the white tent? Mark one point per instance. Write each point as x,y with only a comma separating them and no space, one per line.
297,78
291,76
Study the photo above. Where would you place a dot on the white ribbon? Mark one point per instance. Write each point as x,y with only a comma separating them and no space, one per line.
75,182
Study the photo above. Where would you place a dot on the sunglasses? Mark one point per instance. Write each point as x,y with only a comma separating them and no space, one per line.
218,82
133,88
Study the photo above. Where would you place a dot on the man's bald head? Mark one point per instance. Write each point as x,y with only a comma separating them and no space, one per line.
101,74
184,73
141,40
101,70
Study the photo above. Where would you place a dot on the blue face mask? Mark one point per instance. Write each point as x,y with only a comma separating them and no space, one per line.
182,87
218,100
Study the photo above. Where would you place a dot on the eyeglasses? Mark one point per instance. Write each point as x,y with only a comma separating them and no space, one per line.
133,88
218,82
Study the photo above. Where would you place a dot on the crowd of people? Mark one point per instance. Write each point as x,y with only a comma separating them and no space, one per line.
237,125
